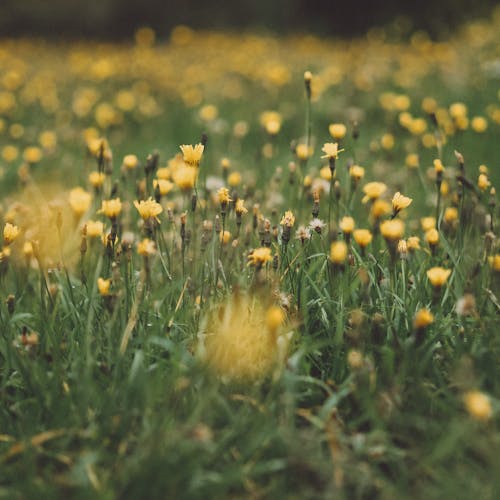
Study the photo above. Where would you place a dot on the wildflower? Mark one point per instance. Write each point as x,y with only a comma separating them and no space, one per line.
412,160
356,173
149,209
478,405
274,319
423,318
79,201
438,167
288,220
94,229
450,215
234,179
241,340
373,191
363,237
239,207
494,262
331,150
146,247
483,182
479,124
103,286
337,131
413,243
96,179
438,276
392,230
347,225
317,225
192,155
111,208
224,237
427,223
338,252
163,186
432,237
185,178
223,196
466,305
10,233
28,249
130,162
387,141
402,249
259,257
303,152
303,234
400,202
32,154
380,208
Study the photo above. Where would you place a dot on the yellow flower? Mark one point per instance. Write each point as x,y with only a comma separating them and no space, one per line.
478,405
146,247
432,236
387,141
337,130
438,166
450,215
400,202
223,196
224,237
338,252
274,319
28,249
164,186
303,152
427,223
379,209
423,318
32,154
79,201
373,190
494,262
234,179
103,286
260,256
10,233
363,237
95,229
130,162
412,160
96,179
111,208
240,339
192,155
331,150
438,276
288,220
347,225
479,124
240,207
392,230
483,182
413,243
185,178
356,172
148,209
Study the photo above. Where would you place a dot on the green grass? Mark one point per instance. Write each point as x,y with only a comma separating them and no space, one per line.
84,414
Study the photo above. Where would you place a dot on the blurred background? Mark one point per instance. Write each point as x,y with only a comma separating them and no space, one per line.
115,19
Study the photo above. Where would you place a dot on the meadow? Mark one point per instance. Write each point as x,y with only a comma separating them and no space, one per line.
238,265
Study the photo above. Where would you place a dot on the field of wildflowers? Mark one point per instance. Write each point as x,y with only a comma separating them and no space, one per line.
246,266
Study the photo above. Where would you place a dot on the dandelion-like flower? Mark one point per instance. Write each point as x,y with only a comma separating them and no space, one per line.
392,230
400,202
95,229
259,257
103,286
146,247
111,208
331,150
148,209
438,276
185,178
423,318
337,131
79,200
373,191
223,196
338,252
239,207
363,237
10,233
192,154
288,220
478,405
347,224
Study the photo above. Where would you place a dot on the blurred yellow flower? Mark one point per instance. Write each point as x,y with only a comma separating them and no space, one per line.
10,233
363,237
338,252
392,230
478,405
259,257
438,276
111,208
373,190
148,209
79,200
